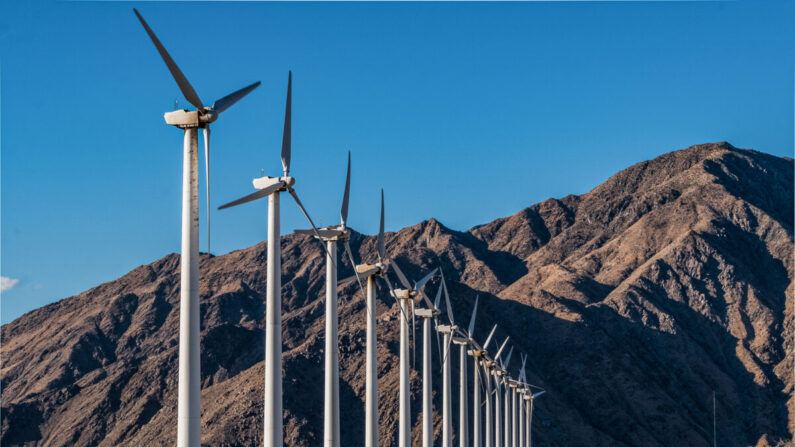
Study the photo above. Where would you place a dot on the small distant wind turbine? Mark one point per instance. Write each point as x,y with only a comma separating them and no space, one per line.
189,394
495,370
405,297
447,336
481,361
465,341
531,397
271,187
505,379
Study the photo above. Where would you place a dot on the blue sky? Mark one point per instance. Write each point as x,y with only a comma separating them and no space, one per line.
461,111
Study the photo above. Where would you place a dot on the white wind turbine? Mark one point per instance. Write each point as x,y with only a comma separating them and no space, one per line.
518,406
188,404
371,271
404,297
465,341
428,313
530,397
331,236
271,187
507,399
482,361
447,334
495,372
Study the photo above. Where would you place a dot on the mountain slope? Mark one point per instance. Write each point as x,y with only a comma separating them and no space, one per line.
635,301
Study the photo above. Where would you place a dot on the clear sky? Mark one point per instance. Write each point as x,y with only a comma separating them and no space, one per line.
461,111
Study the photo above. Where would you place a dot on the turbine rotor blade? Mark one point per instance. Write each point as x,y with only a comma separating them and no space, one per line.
207,178
499,351
421,283
508,359
436,299
176,73
447,300
344,209
227,101
253,196
401,276
314,228
353,264
287,135
488,339
381,230
438,341
472,319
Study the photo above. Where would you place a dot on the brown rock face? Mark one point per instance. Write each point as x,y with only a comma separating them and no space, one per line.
635,301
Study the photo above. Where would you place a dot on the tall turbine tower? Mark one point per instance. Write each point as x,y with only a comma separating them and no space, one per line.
428,313
371,271
405,297
483,361
531,397
495,372
477,354
447,333
331,236
518,405
272,187
464,342
505,379
188,403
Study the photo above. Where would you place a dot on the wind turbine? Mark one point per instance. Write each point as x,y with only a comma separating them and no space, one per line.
331,236
465,341
480,356
371,271
272,187
188,403
507,396
447,335
404,296
428,313
519,439
531,397
494,367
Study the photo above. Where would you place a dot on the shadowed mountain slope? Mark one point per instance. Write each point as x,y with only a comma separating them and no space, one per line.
635,301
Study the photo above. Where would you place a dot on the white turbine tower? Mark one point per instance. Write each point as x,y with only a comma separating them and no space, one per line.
405,297
428,313
271,187
447,334
371,271
465,341
495,372
530,397
188,403
519,406
482,361
505,379
331,236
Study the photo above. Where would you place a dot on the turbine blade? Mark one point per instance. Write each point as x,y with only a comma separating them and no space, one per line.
447,348
436,300
401,276
421,283
287,135
496,357
438,341
353,265
381,230
253,196
227,101
176,73
508,359
447,300
314,228
428,302
472,319
392,294
207,178
488,339
344,209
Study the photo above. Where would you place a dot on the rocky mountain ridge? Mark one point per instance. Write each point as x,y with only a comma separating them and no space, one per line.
635,301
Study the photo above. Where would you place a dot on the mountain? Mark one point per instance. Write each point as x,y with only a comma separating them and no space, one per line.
635,301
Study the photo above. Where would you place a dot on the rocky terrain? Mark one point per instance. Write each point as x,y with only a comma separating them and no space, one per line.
635,301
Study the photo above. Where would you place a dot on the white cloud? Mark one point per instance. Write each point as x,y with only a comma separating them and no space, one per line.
7,283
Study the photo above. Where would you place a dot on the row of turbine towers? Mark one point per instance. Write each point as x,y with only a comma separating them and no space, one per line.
502,417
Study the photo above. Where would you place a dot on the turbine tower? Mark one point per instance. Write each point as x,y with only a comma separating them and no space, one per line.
331,236
483,361
428,313
478,354
495,372
507,396
272,187
405,297
188,403
371,271
465,341
447,334
531,397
